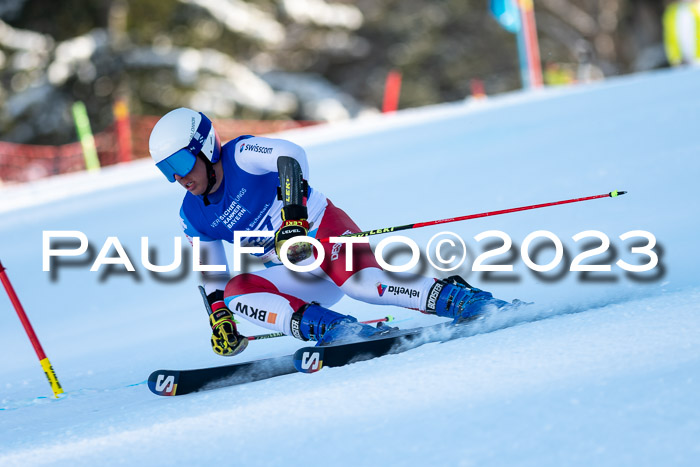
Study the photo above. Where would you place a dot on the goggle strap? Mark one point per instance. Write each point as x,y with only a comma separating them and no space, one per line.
200,135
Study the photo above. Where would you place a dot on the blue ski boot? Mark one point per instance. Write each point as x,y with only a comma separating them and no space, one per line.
312,322
455,298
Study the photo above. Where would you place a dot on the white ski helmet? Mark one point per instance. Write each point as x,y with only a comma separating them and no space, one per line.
177,139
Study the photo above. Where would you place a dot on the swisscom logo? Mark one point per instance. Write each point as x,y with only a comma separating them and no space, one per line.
255,148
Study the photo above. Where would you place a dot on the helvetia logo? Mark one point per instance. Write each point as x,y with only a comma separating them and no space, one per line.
392,289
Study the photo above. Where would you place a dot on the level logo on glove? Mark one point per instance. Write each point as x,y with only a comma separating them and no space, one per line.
293,228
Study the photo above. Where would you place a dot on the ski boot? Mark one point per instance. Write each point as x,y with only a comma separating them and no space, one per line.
315,323
455,298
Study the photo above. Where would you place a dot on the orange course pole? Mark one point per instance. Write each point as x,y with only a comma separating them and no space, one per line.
392,91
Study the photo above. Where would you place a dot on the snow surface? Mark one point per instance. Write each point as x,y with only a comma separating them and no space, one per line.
603,370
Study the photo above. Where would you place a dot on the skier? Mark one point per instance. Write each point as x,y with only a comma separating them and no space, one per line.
260,184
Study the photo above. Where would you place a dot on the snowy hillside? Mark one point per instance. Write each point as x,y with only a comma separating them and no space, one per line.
602,370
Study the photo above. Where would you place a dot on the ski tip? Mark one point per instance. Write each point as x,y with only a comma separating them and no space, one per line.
163,382
308,359
616,193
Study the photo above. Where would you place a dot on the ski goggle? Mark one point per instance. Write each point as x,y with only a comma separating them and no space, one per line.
182,162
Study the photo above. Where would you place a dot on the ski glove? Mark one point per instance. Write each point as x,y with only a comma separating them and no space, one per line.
294,224
225,339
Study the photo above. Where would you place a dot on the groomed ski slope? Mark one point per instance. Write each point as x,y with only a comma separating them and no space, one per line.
602,370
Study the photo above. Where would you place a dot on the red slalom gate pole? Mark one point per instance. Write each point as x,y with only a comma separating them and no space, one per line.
43,359
418,225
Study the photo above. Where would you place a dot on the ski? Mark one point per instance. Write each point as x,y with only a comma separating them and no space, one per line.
305,360
180,382
313,359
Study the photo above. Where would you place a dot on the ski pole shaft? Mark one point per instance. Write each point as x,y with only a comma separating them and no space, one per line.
206,301
418,225
272,335
43,359
386,319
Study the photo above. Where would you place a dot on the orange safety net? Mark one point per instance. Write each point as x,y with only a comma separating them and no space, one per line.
26,162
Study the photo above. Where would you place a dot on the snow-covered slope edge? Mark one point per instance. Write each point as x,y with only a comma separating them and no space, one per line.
611,385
